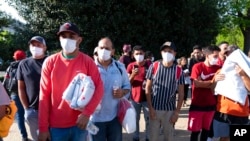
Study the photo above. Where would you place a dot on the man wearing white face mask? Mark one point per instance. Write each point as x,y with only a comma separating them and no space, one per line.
203,101
57,120
116,85
164,77
137,71
28,75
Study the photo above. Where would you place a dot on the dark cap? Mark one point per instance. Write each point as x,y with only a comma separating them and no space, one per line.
69,27
168,44
38,39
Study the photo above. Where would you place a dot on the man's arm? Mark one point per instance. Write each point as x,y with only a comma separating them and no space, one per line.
244,77
22,94
198,83
180,98
148,91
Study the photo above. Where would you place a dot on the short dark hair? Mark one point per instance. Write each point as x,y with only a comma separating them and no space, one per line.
148,54
223,42
138,47
196,47
210,49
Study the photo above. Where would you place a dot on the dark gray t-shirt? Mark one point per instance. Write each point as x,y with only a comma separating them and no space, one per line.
29,71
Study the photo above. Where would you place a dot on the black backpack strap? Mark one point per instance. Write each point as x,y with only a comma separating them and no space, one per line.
118,67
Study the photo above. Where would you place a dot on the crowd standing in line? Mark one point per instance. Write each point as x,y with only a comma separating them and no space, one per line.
149,85
10,84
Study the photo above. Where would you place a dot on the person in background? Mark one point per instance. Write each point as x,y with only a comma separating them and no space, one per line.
28,76
9,83
126,57
149,56
95,55
183,65
137,71
116,85
162,83
4,100
57,120
222,55
203,101
196,57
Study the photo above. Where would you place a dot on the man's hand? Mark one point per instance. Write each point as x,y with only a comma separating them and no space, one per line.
44,136
135,72
219,77
239,70
174,117
152,113
118,93
82,121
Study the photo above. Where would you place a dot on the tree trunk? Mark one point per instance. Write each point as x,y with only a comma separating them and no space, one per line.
246,34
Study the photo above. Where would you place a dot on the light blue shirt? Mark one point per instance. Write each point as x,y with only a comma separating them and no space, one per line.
109,104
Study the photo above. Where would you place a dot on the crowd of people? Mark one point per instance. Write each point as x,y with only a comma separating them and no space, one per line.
159,88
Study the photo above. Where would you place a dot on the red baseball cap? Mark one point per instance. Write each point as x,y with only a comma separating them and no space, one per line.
19,55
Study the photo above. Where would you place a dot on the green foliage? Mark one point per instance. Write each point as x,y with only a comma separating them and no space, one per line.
233,36
236,13
145,22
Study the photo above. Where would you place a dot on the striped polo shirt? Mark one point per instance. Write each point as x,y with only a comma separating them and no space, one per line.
164,86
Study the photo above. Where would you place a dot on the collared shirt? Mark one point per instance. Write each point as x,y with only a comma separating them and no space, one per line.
164,86
109,104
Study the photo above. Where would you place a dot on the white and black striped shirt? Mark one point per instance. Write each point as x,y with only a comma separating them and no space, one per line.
164,87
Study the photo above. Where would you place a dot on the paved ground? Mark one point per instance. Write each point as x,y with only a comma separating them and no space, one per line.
181,130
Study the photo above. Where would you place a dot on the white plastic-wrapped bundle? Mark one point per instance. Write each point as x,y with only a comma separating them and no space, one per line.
79,92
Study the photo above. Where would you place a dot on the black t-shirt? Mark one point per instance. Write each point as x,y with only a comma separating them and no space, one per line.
29,71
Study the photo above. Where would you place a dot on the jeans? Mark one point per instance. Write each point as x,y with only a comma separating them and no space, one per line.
138,106
68,134
108,131
19,115
31,117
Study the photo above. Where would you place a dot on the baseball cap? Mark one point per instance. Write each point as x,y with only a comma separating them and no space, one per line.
126,48
168,44
38,39
19,55
69,27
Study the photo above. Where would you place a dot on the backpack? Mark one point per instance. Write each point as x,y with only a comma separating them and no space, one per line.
178,70
10,81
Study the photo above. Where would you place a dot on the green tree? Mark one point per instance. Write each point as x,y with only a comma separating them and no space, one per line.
145,22
236,13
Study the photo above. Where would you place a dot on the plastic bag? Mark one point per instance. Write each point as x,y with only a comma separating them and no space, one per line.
79,92
127,115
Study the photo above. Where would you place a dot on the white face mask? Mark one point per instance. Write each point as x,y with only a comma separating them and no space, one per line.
36,51
213,61
104,54
167,57
68,45
152,59
139,58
